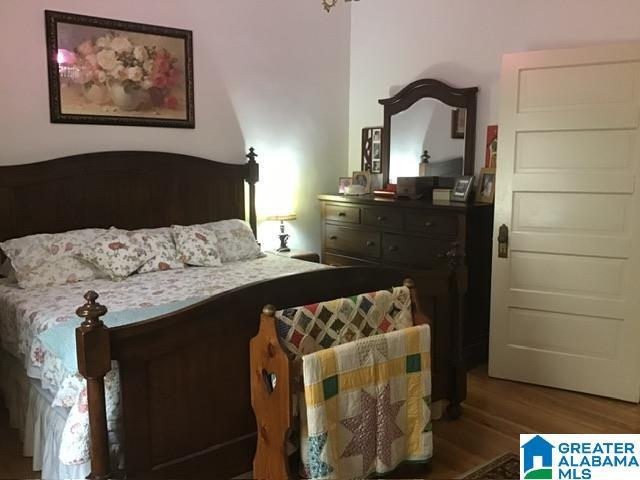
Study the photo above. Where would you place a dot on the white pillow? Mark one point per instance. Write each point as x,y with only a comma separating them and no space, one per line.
117,253
235,240
50,258
160,242
197,245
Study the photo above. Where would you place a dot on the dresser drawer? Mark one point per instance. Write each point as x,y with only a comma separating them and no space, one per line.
342,261
424,222
342,213
382,217
350,240
414,251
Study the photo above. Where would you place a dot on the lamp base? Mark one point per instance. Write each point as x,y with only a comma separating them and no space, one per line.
283,242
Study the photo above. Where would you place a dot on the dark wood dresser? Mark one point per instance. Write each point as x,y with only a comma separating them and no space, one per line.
417,234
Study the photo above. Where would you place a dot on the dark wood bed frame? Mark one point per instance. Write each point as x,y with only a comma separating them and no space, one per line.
184,376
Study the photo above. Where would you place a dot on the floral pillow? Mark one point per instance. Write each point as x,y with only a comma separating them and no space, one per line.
60,271
197,245
33,255
235,240
160,242
117,253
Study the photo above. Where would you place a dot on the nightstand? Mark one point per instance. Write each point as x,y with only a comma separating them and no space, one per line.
299,255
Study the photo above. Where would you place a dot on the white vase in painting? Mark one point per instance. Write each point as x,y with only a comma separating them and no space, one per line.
96,93
127,97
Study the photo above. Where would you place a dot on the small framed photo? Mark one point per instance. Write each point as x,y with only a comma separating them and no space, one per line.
458,122
486,185
362,179
343,183
462,188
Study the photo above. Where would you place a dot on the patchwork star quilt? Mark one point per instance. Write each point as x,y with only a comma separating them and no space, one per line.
366,405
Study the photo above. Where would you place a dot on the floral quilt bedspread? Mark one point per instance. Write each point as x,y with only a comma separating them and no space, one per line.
24,314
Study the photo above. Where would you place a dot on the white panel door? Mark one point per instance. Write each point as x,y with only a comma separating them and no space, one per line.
565,304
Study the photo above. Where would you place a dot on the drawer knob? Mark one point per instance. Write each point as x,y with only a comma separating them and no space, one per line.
382,218
393,248
342,214
428,224
333,237
370,243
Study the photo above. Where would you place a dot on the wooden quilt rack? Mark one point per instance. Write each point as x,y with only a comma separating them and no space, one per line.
275,378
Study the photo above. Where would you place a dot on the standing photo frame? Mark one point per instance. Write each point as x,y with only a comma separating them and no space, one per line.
462,188
371,149
362,179
344,183
114,72
486,185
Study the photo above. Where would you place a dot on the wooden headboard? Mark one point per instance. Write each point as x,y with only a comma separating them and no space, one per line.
125,189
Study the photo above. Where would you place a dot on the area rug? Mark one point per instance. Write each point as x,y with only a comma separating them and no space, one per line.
505,467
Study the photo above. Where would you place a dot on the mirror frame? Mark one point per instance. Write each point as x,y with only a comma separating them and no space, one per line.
431,88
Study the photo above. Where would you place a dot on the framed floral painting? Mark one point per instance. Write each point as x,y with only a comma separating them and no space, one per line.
113,72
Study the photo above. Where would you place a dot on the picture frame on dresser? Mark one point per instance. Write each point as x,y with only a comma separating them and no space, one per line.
115,72
344,183
462,187
486,185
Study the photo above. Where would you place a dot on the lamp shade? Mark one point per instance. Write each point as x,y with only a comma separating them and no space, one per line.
282,218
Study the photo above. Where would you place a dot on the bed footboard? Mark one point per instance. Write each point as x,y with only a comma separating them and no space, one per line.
184,376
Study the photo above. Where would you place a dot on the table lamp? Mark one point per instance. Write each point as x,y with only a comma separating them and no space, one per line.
283,236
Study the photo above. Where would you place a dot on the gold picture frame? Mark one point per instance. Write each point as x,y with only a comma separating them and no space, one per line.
486,185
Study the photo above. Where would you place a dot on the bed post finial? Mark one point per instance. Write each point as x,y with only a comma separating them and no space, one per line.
253,176
91,311
269,310
93,349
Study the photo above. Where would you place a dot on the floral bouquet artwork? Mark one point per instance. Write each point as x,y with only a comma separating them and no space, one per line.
107,71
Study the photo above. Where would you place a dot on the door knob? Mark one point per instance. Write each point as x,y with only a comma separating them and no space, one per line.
393,248
333,237
503,241
381,218
428,224
370,243
342,214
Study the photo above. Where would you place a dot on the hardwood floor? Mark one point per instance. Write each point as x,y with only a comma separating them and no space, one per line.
12,464
495,413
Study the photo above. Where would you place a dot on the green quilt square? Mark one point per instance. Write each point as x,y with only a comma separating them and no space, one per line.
330,387
413,363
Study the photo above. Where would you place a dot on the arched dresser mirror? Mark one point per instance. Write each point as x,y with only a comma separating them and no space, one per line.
429,116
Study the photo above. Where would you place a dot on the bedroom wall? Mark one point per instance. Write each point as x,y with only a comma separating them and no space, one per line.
273,75
394,42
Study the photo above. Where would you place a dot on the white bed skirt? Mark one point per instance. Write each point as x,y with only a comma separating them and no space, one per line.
39,423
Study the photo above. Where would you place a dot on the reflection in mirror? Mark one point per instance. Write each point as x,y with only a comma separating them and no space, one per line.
426,125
